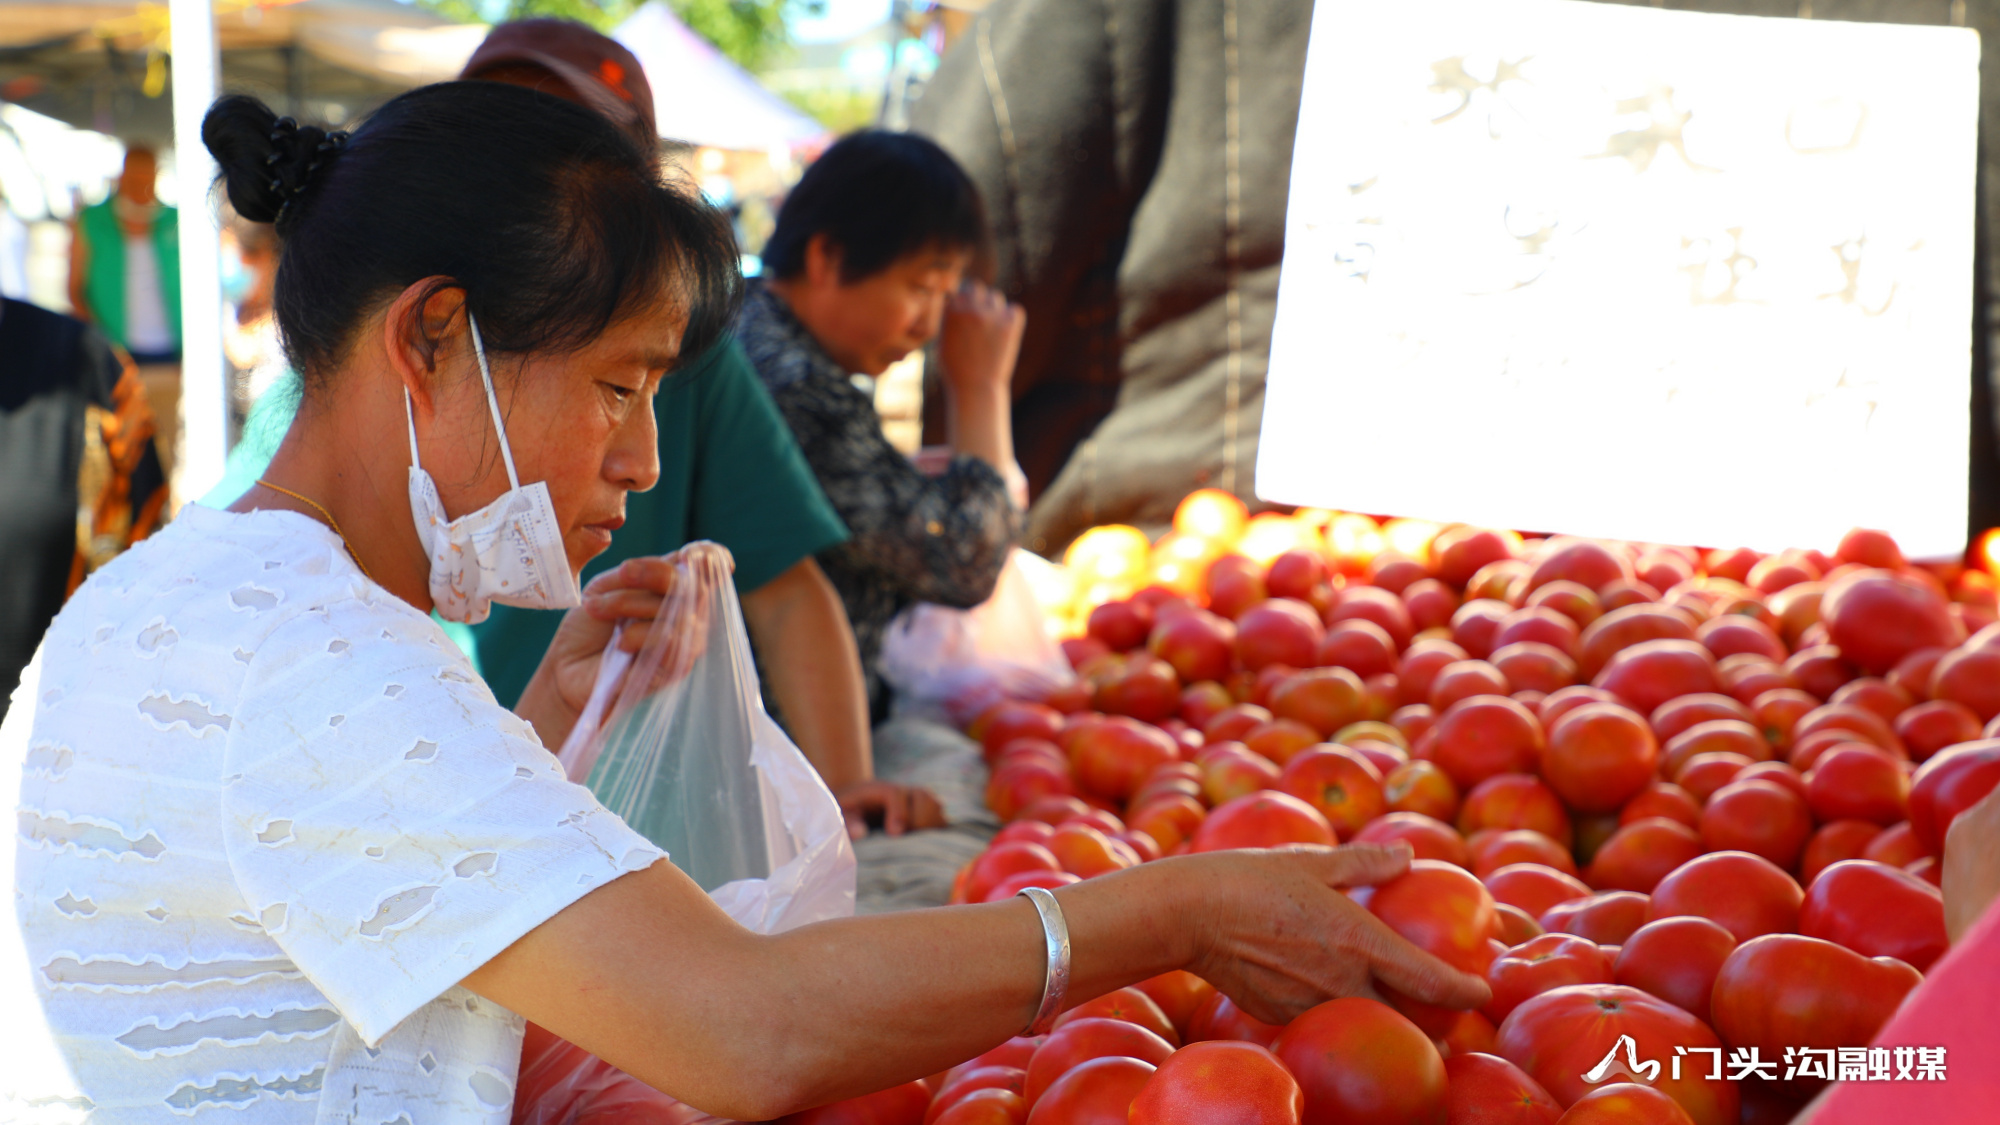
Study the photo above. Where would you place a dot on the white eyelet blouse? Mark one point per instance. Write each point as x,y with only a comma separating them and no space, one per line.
267,818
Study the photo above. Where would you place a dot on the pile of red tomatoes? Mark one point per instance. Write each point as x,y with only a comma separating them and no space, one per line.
1694,798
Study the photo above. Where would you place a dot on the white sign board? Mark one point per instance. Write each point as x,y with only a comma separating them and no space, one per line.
1631,273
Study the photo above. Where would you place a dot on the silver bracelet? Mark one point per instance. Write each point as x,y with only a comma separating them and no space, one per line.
1055,932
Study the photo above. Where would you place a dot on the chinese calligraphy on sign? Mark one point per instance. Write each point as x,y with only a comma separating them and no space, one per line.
1606,267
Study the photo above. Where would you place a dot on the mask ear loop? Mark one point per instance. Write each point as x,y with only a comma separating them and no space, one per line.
492,403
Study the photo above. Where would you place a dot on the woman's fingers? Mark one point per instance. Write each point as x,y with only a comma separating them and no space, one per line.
1363,865
1415,973
654,574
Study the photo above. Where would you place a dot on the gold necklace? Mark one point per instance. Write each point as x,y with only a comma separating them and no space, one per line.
334,523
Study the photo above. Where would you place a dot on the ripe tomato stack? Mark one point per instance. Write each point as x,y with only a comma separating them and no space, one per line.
1694,798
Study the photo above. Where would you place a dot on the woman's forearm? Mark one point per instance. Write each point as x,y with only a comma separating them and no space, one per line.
980,422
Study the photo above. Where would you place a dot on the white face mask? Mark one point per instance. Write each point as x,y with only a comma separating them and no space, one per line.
510,551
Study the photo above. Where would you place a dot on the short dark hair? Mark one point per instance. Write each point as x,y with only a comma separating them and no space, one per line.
877,196
552,220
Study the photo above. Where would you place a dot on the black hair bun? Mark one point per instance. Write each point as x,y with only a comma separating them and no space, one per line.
265,161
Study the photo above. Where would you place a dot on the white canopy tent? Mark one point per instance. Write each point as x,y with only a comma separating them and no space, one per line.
701,97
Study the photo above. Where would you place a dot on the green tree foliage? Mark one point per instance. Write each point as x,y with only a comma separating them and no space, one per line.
752,32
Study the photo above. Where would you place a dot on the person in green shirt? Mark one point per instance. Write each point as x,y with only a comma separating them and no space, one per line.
730,471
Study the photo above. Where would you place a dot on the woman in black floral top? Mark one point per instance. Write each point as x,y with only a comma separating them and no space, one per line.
867,264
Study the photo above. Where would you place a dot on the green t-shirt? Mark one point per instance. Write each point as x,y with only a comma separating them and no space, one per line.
729,471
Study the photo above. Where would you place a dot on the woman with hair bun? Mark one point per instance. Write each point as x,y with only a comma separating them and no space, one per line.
279,854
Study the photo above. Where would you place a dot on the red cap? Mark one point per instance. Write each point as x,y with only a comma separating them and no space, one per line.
596,69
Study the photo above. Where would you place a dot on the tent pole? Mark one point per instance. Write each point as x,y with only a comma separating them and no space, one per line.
204,419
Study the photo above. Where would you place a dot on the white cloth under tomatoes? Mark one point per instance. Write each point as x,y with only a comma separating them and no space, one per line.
268,818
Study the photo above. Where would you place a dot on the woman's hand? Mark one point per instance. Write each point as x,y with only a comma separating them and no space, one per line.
634,589
900,808
980,339
1276,934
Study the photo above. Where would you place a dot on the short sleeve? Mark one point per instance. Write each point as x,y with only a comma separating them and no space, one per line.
753,491
388,823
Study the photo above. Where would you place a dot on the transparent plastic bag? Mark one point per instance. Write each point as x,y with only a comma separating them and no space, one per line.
951,664
675,740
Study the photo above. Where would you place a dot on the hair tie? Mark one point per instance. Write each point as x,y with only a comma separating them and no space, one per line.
285,133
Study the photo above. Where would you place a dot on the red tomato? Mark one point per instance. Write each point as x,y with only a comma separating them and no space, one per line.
1234,722
1428,837
1970,676
1751,678
1430,603
1534,887
1540,964
1493,849
897,1105
1873,693
1680,713
1262,820
1778,710
1086,853
1114,755
1476,623
1513,925
1560,703
1623,628
1777,773
1017,784
1011,719
1419,786
1278,631
1075,1043
1024,832
1652,672
1897,846
1733,633
1866,726
1419,667
1583,561
1230,770
1784,991
1440,908
1599,756
1931,726
1466,679
1642,853
1573,600
1360,1062
1459,551
1413,720
1180,994
1486,735
1488,1090
1325,699
1560,1036
1715,736
985,1107
1342,785
1516,800
1759,817
1220,1083
1014,884
1877,618
1371,603
1002,860
1819,668
1014,1053
1120,625
1626,1103
1528,666
1662,798
1098,1092
1234,584
1220,1018
1747,894
1360,646
1870,548
1855,782
1279,739
1703,774
1539,624
1675,959
1469,1032
1832,842
1198,644
1607,918
1128,1004
1877,911
1167,821
1010,1078
1951,782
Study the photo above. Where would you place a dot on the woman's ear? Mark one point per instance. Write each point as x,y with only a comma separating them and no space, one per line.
822,262
422,322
